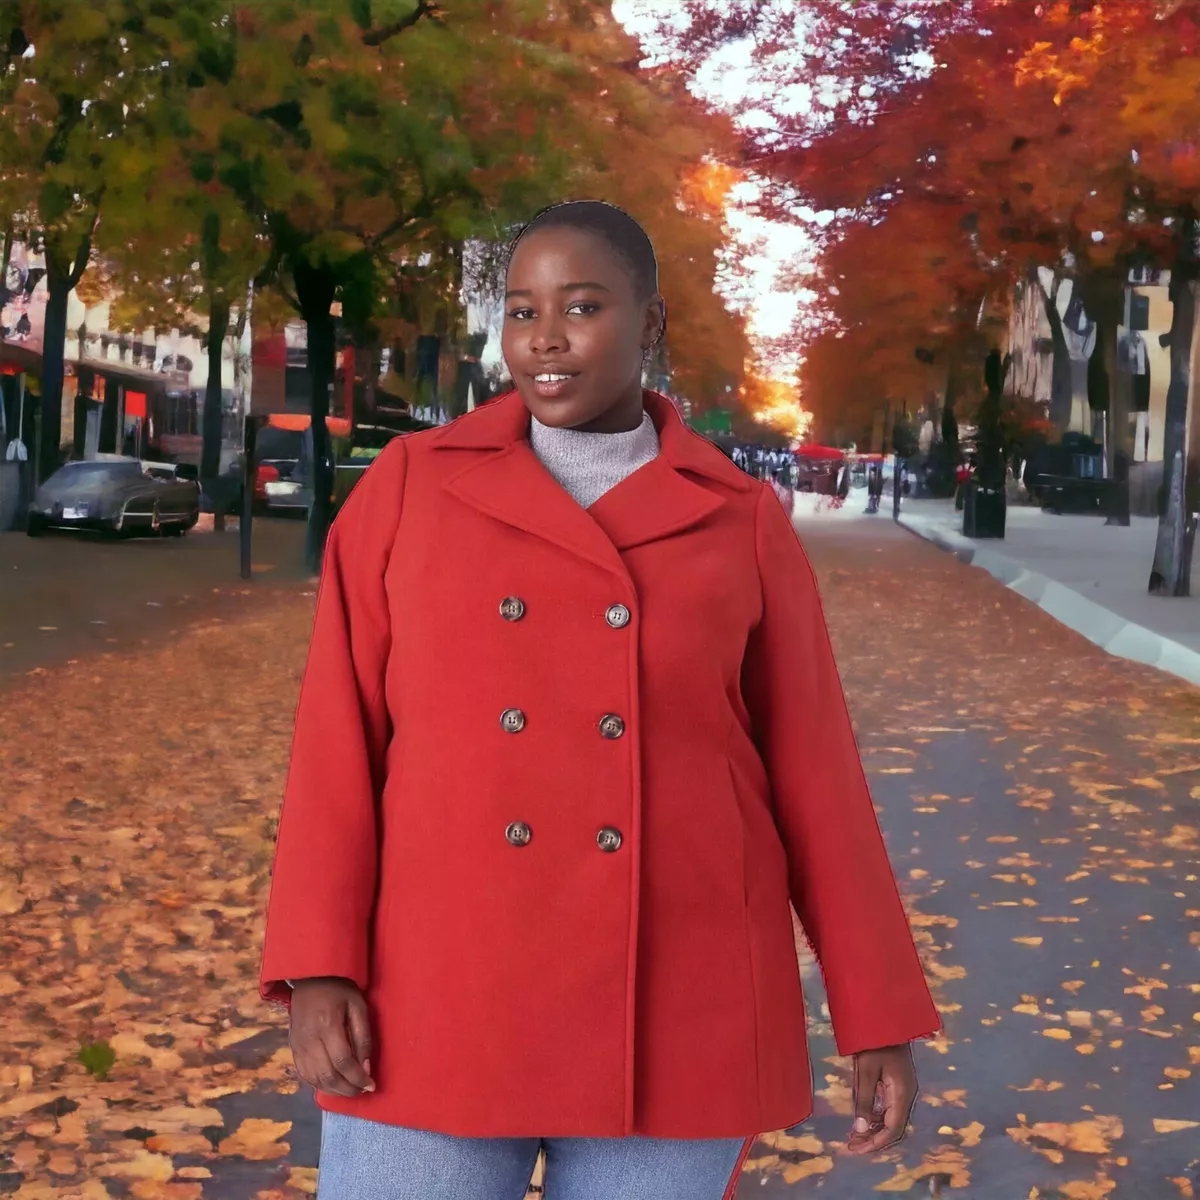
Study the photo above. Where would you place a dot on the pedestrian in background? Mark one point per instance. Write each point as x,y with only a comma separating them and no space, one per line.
962,476
569,739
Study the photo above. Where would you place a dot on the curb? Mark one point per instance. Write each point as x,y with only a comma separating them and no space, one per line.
1101,626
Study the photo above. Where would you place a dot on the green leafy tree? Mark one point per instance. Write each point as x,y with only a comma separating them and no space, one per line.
82,80
371,140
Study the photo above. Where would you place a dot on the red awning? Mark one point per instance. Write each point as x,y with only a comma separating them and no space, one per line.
824,452
299,422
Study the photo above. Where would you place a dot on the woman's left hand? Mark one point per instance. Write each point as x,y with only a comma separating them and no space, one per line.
885,1090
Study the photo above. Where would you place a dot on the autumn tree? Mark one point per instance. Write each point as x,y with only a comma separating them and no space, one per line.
344,153
367,143
80,82
1161,93
1023,119
178,251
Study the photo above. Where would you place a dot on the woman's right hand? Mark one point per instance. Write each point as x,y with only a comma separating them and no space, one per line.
331,1036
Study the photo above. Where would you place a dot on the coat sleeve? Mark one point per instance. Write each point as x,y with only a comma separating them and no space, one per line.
841,881
324,877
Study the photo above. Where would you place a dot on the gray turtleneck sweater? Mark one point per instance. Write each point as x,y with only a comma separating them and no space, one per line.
589,464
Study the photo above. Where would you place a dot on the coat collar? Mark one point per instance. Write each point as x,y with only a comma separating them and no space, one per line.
502,422
511,485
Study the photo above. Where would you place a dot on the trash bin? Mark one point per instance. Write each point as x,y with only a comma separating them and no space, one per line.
984,511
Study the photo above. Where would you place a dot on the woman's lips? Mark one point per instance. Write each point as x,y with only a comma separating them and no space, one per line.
550,385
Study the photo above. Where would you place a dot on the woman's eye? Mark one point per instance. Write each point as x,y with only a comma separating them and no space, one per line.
519,314
584,308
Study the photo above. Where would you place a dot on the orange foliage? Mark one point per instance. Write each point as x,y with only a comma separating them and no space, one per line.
1056,134
775,405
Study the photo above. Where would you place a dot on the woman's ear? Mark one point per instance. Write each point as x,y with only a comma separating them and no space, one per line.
655,328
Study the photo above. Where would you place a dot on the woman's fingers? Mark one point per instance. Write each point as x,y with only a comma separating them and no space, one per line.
884,1095
895,1122
867,1082
868,1076
316,1067
358,1023
329,1021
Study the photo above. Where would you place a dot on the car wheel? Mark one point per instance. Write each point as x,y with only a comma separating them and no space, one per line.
35,527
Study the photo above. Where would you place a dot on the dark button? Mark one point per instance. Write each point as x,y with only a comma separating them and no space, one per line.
512,608
518,833
512,720
609,839
611,726
618,616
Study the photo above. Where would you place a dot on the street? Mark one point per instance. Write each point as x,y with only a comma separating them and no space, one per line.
1039,797
68,594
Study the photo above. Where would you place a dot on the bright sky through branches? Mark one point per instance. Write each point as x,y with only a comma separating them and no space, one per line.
766,252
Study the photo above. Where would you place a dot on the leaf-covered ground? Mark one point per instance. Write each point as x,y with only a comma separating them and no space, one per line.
1041,802
1042,805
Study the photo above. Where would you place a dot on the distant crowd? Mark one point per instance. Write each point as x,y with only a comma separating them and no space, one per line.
767,463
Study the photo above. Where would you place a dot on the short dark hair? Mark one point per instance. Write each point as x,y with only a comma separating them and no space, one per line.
609,223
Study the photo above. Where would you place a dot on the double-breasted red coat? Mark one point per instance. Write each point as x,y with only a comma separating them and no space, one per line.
557,774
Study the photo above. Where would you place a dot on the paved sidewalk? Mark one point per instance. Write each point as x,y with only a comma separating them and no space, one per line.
1090,576
66,596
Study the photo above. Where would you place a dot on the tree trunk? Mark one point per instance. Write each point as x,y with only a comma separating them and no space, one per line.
218,328
242,362
1169,574
316,287
4,263
1061,390
1103,296
54,349
62,275
428,383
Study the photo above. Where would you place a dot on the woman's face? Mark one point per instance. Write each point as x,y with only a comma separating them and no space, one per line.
575,331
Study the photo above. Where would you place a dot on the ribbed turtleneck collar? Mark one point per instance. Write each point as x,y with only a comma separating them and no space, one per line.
589,464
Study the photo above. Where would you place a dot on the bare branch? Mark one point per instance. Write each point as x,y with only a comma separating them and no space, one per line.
425,8
83,254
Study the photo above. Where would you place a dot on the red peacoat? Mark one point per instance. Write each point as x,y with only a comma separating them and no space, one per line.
557,774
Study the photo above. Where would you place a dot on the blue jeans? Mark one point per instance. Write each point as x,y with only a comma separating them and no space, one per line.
363,1160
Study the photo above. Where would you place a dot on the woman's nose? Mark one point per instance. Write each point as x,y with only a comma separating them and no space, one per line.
548,337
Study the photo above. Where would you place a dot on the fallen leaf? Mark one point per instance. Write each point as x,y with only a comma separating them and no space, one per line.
257,1139
179,1143
303,1179
942,1161
11,899
1094,1136
143,1165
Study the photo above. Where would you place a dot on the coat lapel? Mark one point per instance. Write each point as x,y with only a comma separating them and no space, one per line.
512,486
509,484
655,502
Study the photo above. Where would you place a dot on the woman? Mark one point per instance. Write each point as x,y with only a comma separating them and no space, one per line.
569,738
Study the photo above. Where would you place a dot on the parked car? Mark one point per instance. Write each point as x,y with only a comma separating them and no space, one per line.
283,471
119,495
